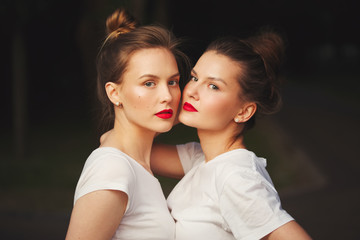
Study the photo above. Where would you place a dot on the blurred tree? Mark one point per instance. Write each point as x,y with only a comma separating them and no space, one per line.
19,76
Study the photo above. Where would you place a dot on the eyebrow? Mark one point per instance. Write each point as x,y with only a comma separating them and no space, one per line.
175,75
211,78
154,76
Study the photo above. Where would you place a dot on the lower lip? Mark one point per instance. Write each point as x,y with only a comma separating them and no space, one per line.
164,115
189,108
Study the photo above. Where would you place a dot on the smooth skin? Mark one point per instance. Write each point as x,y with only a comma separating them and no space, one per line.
91,208
149,86
291,230
214,92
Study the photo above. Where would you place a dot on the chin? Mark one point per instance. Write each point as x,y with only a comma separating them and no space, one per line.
188,122
186,119
164,128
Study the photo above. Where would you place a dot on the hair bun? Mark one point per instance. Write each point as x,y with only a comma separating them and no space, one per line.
270,46
120,22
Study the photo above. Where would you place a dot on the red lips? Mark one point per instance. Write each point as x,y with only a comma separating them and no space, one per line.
188,107
165,114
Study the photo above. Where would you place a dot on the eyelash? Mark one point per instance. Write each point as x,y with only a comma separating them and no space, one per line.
211,86
193,78
214,88
171,83
175,83
147,84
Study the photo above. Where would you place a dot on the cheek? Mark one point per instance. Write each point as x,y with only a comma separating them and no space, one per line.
176,95
219,111
217,105
187,88
137,98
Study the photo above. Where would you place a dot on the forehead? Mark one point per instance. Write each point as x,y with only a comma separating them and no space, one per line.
212,64
157,62
150,56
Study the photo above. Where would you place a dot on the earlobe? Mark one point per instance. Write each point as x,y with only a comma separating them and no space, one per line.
113,93
246,113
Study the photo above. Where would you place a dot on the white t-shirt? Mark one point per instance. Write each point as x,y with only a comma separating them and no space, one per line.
146,216
229,197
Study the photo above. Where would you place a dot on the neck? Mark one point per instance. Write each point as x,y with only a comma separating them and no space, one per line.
132,140
214,143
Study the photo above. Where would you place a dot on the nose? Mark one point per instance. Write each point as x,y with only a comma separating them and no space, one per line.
191,90
165,94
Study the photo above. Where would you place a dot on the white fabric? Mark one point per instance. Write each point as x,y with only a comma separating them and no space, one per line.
229,197
146,216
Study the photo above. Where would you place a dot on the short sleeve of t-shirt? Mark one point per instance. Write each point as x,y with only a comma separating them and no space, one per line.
105,169
190,155
250,206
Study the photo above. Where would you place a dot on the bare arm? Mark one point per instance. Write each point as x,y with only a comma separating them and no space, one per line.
291,230
97,215
165,161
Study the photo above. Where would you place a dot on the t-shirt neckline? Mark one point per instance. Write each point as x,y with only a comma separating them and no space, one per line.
132,159
222,155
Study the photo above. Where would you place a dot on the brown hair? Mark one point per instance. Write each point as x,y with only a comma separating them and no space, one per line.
124,37
260,59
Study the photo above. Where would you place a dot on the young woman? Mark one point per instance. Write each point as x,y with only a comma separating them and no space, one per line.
117,196
226,192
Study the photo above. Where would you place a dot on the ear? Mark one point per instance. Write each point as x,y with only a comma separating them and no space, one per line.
246,112
113,93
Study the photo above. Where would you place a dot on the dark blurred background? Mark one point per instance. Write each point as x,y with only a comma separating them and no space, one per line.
48,102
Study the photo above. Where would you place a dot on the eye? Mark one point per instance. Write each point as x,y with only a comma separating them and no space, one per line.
212,86
173,82
193,78
149,84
